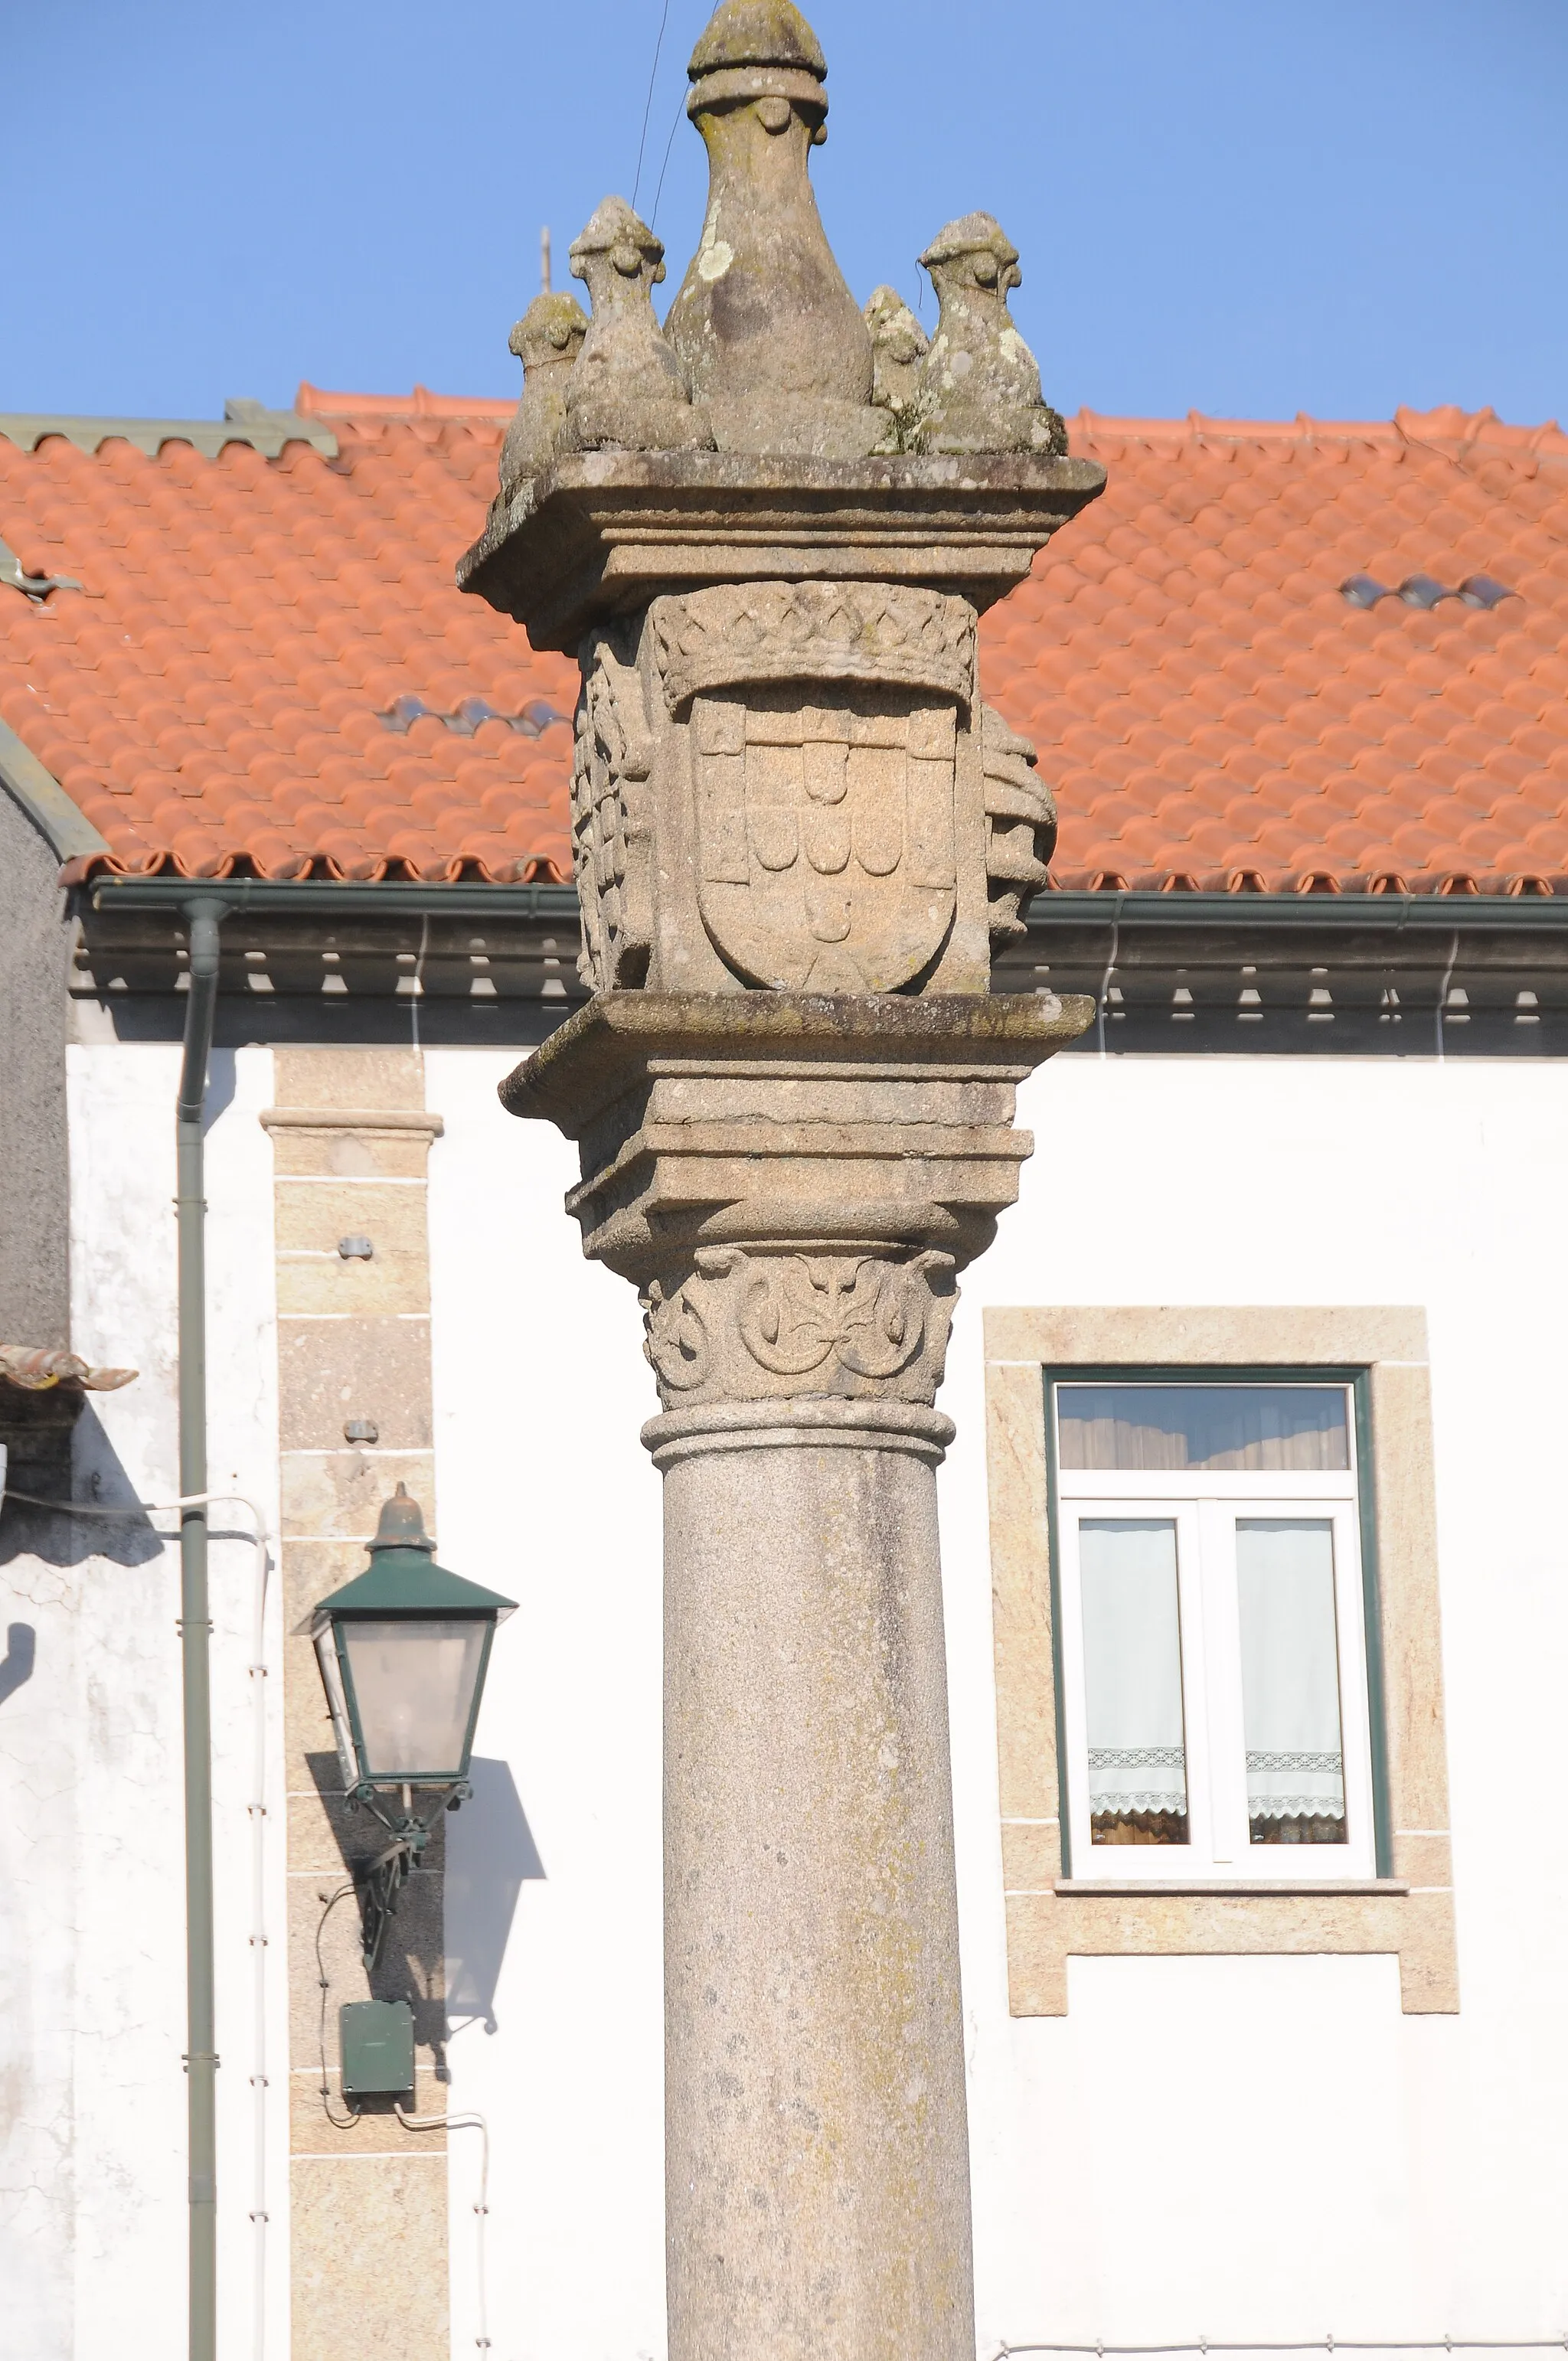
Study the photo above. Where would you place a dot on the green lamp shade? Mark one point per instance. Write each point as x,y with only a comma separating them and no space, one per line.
403,1650
415,1686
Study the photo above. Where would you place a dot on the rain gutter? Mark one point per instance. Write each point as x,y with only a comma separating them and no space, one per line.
331,899
1382,914
203,914
1442,914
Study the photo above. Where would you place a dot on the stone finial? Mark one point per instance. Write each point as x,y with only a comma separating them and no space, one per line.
546,340
899,344
979,377
770,335
766,34
627,390
549,332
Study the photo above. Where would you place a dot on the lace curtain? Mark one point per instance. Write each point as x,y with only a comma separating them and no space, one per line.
1295,1758
1132,1651
1289,1670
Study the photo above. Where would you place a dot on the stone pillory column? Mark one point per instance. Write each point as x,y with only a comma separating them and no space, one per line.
767,536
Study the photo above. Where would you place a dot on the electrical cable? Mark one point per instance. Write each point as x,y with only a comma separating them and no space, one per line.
1315,2344
652,75
465,2123
344,2122
472,2121
256,1813
669,144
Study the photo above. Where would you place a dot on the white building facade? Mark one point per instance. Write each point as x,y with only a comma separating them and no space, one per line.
1265,2141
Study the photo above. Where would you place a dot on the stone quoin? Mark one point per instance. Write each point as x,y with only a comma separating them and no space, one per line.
766,532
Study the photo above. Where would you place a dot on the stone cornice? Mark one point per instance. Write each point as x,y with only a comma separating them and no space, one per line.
603,1047
845,1134
601,532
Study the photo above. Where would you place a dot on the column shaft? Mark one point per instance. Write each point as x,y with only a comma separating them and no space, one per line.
816,2174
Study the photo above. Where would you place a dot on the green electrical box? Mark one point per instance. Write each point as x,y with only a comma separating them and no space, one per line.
375,2041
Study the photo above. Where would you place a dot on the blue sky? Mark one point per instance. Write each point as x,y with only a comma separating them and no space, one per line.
1241,206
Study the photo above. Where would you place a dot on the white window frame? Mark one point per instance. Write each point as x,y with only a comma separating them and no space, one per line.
1204,1506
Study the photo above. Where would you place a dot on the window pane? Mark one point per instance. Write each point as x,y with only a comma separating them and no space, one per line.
1295,1761
1301,1428
1132,1666
413,1682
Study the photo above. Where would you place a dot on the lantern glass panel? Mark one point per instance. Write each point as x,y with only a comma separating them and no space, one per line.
413,1681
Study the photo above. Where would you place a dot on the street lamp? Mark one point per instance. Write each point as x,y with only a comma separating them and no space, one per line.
404,1650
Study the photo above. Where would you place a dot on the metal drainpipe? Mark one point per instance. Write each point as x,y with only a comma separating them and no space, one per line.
203,916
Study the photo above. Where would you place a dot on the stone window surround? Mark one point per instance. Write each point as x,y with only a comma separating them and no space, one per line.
1051,1919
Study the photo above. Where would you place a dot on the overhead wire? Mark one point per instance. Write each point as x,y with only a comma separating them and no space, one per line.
647,104
669,146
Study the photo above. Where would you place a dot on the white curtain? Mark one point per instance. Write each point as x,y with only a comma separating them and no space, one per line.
1285,1575
1156,1427
1132,1663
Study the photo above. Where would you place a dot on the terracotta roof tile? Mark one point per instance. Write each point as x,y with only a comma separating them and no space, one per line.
224,690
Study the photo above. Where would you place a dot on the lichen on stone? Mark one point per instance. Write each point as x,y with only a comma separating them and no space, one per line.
981,379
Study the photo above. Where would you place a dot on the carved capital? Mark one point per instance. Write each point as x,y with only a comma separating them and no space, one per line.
743,1325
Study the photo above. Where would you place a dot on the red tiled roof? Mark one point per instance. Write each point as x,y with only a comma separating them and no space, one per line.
1212,709
1213,712
211,698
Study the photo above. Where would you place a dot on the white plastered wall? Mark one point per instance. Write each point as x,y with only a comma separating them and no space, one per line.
1247,2147
544,1492
92,1859
1267,2147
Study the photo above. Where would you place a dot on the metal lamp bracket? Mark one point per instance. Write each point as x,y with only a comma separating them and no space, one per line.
379,1881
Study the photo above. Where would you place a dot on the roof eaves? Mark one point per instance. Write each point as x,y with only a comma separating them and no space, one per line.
67,829
37,1370
267,430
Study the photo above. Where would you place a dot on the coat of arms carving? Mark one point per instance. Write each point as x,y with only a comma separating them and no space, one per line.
825,835
611,820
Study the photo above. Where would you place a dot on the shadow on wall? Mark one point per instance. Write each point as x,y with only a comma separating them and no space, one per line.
222,1072
60,1451
409,1967
489,1855
21,1654
447,1935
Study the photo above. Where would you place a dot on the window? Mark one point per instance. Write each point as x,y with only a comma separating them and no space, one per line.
1212,1630
1283,1456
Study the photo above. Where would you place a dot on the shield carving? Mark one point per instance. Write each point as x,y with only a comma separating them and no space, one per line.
826,838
